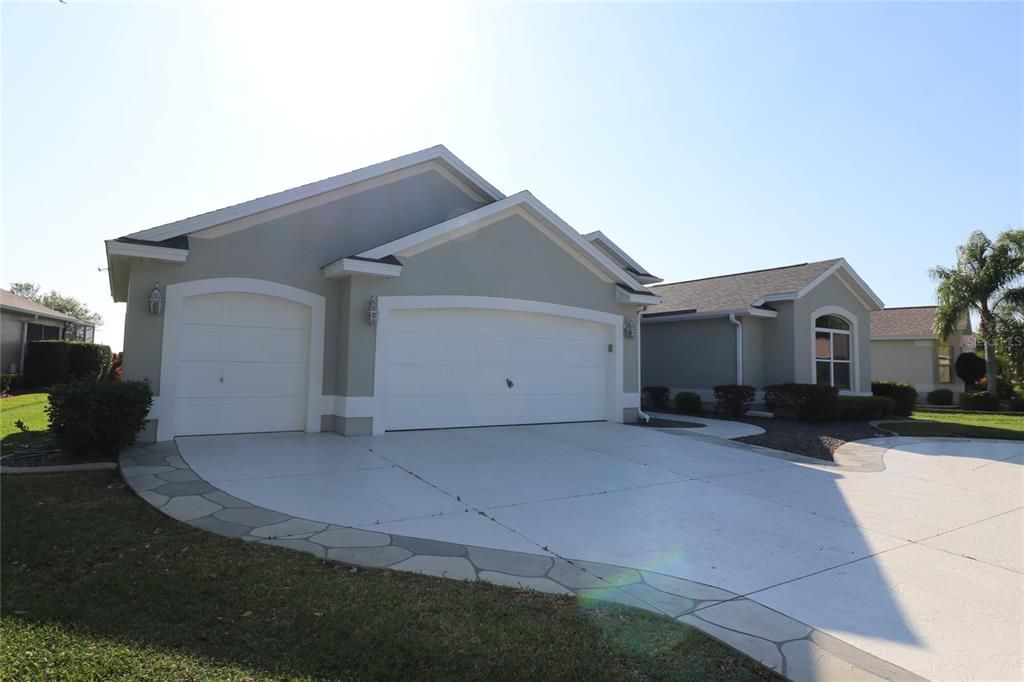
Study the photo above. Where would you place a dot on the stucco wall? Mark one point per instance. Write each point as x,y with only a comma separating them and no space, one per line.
510,259
914,362
777,355
753,350
291,250
831,292
689,354
12,331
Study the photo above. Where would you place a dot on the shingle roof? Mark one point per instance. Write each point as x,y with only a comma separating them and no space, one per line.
737,291
914,321
24,305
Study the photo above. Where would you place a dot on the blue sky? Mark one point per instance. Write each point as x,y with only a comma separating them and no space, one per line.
704,138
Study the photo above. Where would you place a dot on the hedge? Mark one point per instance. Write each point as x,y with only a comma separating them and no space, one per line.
810,402
688,403
55,362
98,417
904,395
979,401
940,396
864,407
733,399
1017,404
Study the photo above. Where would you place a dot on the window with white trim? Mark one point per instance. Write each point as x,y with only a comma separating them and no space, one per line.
833,352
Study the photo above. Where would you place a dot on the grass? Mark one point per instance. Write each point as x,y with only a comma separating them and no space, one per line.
961,425
99,585
28,408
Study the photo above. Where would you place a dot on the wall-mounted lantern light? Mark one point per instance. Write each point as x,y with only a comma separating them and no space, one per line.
371,311
629,329
155,300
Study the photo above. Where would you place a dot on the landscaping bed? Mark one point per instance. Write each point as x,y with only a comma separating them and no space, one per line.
98,585
813,439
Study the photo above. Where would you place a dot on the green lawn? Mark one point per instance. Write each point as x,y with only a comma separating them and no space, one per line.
28,408
99,585
961,425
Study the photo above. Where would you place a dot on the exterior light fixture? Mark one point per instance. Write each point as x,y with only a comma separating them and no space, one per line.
629,329
155,300
372,314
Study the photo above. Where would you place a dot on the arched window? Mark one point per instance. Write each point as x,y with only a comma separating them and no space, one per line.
833,355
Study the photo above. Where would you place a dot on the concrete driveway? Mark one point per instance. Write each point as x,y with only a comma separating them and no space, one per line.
920,565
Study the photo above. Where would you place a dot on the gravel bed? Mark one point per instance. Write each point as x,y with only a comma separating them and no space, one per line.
813,439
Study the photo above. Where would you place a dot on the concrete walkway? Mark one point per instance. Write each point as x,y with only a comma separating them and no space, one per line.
895,574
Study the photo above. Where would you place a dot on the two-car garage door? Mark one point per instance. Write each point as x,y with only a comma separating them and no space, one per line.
242,366
473,367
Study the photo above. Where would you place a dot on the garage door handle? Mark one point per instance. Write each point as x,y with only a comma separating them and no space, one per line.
509,382
222,380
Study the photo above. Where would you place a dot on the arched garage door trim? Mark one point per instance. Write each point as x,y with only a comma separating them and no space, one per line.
386,304
174,297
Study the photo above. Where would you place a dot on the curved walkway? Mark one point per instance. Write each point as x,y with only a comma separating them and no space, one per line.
161,476
719,428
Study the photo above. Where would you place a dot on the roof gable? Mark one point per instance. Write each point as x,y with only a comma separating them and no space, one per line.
524,204
255,211
623,259
743,291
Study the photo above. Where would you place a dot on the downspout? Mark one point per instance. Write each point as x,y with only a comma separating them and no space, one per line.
739,347
641,415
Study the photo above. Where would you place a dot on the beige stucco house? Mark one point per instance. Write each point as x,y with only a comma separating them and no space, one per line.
905,347
805,323
409,294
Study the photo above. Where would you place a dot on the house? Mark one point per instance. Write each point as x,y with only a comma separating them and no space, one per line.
806,323
23,321
905,347
410,294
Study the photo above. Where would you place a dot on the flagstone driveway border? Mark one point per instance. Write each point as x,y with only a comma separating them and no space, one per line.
157,473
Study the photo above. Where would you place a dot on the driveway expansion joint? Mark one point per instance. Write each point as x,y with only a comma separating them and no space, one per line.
216,511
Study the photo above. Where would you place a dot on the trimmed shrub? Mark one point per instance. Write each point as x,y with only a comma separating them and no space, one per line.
688,403
98,417
656,396
864,407
904,395
940,396
970,367
56,362
88,361
733,399
9,382
810,402
46,363
979,401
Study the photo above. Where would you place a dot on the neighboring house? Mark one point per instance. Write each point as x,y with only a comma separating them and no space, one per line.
808,323
23,321
905,347
409,294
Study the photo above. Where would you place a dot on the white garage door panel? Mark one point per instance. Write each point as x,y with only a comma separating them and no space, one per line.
242,364
245,415
448,367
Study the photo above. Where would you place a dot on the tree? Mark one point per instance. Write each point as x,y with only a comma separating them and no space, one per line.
986,280
69,305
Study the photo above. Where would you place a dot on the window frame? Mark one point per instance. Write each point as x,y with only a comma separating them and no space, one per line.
852,335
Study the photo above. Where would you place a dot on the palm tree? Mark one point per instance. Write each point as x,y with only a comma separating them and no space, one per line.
987,277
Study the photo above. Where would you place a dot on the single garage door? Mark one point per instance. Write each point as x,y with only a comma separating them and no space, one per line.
242,365
467,367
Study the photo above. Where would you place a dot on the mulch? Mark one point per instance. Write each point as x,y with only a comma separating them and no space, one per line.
813,439
43,454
